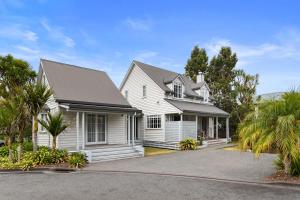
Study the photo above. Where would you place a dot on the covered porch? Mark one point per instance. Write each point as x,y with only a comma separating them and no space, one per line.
101,131
196,126
197,121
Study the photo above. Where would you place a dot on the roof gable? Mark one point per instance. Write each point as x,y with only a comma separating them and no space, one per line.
78,84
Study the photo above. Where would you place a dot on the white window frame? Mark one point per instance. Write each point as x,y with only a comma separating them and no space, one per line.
155,120
43,117
96,129
144,91
175,89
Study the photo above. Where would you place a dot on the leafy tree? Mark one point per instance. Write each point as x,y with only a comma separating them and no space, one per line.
15,76
9,118
54,125
220,77
275,123
198,62
37,96
245,88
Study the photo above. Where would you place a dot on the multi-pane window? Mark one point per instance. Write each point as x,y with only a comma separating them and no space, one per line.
177,90
154,121
144,91
43,118
95,128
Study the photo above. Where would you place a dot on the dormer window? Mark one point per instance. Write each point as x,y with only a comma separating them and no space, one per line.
177,90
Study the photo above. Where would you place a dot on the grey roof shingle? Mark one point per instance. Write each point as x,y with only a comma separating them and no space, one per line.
204,109
161,77
77,84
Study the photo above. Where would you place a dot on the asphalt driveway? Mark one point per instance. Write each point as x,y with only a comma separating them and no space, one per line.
112,186
212,163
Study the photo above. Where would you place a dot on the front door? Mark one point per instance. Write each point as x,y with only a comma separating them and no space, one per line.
96,129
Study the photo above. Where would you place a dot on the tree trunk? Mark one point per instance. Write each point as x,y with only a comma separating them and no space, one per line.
34,132
20,146
10,150
54,143
287,165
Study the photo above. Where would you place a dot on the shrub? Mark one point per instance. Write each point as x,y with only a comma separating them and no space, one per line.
6,164
295,167
59,156
3,151
278,162
29,160
27,146
43,156
188,144
77,160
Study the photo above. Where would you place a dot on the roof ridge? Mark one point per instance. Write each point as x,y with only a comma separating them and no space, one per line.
158,67
71,65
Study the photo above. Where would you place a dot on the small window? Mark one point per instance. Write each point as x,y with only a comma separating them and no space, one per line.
43,118
177,90
126,94
173,118
144,91
154,121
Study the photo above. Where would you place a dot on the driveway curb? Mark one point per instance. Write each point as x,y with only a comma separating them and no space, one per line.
262,183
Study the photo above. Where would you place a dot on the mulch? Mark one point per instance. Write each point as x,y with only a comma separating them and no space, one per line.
281,177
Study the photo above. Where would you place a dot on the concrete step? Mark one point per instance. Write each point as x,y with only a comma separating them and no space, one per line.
115,157
107,153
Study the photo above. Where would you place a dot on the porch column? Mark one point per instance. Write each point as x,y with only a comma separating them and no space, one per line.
77,131
181,128
128,129
83,130
227,128
217,128
133,130
196,127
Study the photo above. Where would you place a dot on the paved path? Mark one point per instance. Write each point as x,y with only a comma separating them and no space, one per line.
211,162
114,186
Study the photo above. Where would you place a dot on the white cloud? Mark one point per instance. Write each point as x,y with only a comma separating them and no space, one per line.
27,50
145,55
139,24
18,32
285,45
56,33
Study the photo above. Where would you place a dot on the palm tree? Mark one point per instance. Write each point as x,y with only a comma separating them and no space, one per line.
54,125
37,96
276,124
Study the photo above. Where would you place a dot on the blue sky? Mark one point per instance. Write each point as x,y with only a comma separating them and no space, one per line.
108,35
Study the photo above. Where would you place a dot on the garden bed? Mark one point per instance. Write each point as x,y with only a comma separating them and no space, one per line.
43,159
281,177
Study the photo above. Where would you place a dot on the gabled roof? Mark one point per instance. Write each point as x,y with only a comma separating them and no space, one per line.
202,109
73,84
161,77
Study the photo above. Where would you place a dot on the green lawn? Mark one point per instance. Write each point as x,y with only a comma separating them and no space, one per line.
150,151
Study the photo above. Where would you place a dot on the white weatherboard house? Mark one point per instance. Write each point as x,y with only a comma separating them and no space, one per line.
173,106
100,120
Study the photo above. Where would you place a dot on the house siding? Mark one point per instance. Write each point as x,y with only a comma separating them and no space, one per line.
44,138
173,131
116,129
152,104
68,138
189,129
